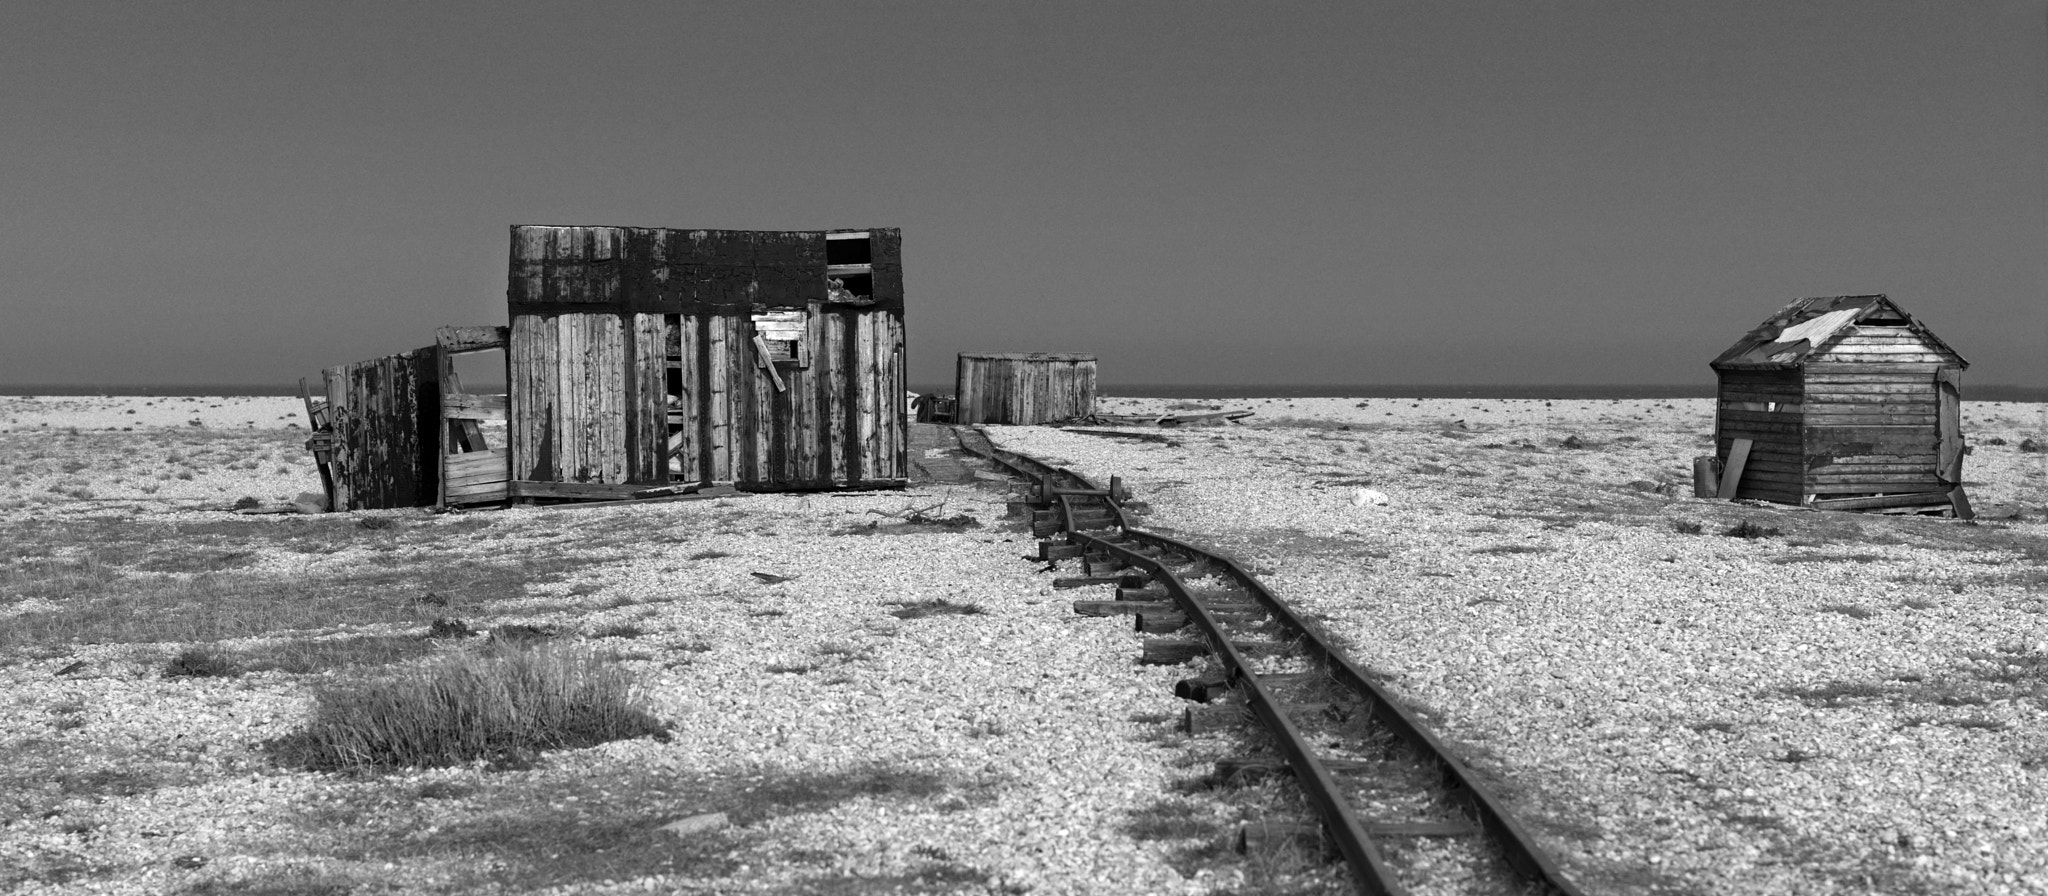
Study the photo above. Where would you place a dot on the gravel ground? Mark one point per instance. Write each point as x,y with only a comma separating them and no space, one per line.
1012,748
1856,705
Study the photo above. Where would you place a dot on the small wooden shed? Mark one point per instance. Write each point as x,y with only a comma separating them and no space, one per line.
1022,388
1845,402
769,360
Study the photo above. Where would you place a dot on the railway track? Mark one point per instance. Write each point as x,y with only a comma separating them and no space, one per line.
1391,800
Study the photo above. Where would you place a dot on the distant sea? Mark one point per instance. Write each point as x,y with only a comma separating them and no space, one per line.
1129,390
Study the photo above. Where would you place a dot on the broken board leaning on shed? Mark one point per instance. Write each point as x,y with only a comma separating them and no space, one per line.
1847,402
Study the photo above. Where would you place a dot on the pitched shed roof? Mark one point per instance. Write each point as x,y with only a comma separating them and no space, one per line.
1810,326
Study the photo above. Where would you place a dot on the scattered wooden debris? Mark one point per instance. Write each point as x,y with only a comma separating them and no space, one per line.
1134,436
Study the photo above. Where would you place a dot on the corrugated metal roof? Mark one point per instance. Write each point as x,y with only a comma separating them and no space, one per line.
1809,326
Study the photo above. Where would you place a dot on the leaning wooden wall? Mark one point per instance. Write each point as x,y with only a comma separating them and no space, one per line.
1764,406
1019,388
1875,416
385,413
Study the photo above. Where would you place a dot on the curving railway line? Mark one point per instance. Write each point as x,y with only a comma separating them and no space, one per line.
1394,804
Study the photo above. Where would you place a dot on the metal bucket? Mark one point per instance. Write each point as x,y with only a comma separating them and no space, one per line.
1706,476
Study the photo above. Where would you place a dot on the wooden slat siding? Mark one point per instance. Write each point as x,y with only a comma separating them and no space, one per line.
1866,367
861,366
1831,479
748,434
760,414
882,366
1926,420
476,466
771,429
717,373
334,382
479,493
802,438
838,392
1828,399
689,434
1023,389
1867,392
890,363
899,398
386,414
1861,441
569,392
1842,378
462,406
1756,421
648,401
813,449
524,415
1948,426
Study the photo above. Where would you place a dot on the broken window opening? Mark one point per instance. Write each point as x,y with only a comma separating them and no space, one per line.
849,269
783,333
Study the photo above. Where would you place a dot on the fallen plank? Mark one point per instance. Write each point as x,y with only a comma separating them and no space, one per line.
1875,502
1731,473
1184,419
1137,436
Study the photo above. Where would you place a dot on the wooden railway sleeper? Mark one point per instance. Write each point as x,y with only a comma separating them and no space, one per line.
1359,851
1209,686
1343,830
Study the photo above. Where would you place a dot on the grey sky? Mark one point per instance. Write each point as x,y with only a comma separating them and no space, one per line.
1355,192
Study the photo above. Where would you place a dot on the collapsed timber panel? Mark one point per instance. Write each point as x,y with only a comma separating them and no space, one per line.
385,413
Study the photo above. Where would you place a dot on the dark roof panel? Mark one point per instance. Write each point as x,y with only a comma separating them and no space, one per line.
1807,327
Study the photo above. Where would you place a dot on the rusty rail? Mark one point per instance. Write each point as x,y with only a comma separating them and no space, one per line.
1157,556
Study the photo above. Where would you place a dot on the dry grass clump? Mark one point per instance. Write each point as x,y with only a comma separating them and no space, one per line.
503,704
937,606
202,661
1748,529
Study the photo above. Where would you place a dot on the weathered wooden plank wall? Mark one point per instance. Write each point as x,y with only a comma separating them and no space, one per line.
1764,407
1023,388
586,399
836,423
636,357
386,413
1873,421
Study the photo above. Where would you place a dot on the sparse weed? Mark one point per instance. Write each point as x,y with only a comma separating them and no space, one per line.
202,661
1749,529
937,606
501,704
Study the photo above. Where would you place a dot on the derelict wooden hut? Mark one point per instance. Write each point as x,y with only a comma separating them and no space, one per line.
1847,402
1023,388
640,357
